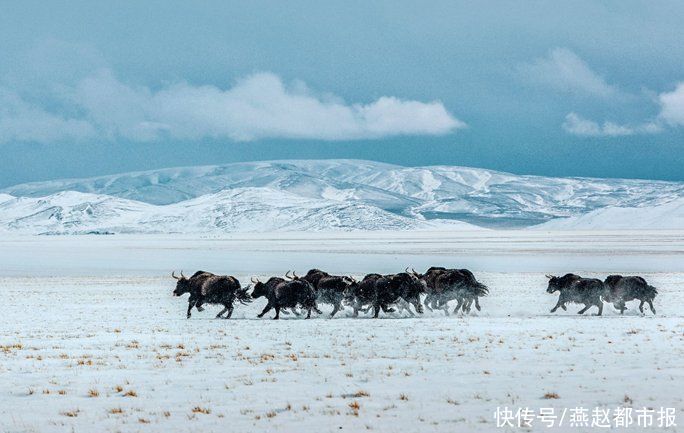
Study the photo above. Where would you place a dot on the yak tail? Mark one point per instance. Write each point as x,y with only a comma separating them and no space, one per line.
242,296
480,289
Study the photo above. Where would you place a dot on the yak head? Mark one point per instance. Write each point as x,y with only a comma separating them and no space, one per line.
554,284
292,277
416,274
182,284
259,289
350,288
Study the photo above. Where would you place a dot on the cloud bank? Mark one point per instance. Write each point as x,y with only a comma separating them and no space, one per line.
671,114
578,125
99,106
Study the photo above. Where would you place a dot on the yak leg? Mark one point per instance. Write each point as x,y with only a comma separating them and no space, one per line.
387,309
427,301
418,306
336,308
403,305
266,309
308,314
600,307
376,311
477,304
466,306
560,303
191,303
650,304
586,307
459,304
641,307
315,308
225,308
230,312
277,316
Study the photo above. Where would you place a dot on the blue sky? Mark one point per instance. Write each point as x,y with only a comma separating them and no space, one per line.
580,88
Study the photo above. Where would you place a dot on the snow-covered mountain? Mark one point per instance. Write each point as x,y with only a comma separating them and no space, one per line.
322,195
668,216
235,210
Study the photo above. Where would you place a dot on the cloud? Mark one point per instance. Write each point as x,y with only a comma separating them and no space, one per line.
257,106
672,106
24,122
564,71
578,125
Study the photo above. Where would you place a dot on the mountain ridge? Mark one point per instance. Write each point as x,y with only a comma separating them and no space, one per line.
402,197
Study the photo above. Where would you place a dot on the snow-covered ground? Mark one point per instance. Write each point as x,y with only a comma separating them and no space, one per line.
92,339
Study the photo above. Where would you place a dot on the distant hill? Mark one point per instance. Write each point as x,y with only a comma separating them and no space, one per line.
326,195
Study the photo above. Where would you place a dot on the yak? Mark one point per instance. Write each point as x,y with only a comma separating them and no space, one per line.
287,294
334,290
363,294
619,290
459,285
430,276
573,288
207,288
313,277
392,289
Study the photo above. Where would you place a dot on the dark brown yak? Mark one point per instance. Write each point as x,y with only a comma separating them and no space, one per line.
620,290
573,288
207,288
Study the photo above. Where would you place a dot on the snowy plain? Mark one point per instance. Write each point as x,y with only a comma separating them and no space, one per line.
92,339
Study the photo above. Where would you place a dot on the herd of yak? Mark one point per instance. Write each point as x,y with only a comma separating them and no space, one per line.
394,292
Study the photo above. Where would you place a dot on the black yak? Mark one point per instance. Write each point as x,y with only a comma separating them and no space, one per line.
207,288
619,290
457,284
430,276
313,277
287,294
573,288
334,289
362,295
397,288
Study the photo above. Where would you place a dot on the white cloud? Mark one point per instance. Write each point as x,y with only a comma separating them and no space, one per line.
565,71
21,121
578,125
672,106
258,106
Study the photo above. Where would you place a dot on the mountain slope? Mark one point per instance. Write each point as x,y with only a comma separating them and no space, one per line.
420,194
237,210
663,217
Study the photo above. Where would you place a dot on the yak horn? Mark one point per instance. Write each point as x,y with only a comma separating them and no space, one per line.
182,276
414,272
406,270
295,275
549,276
287,275
253,280
173,275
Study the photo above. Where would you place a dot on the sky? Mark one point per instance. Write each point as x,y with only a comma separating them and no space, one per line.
582,88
